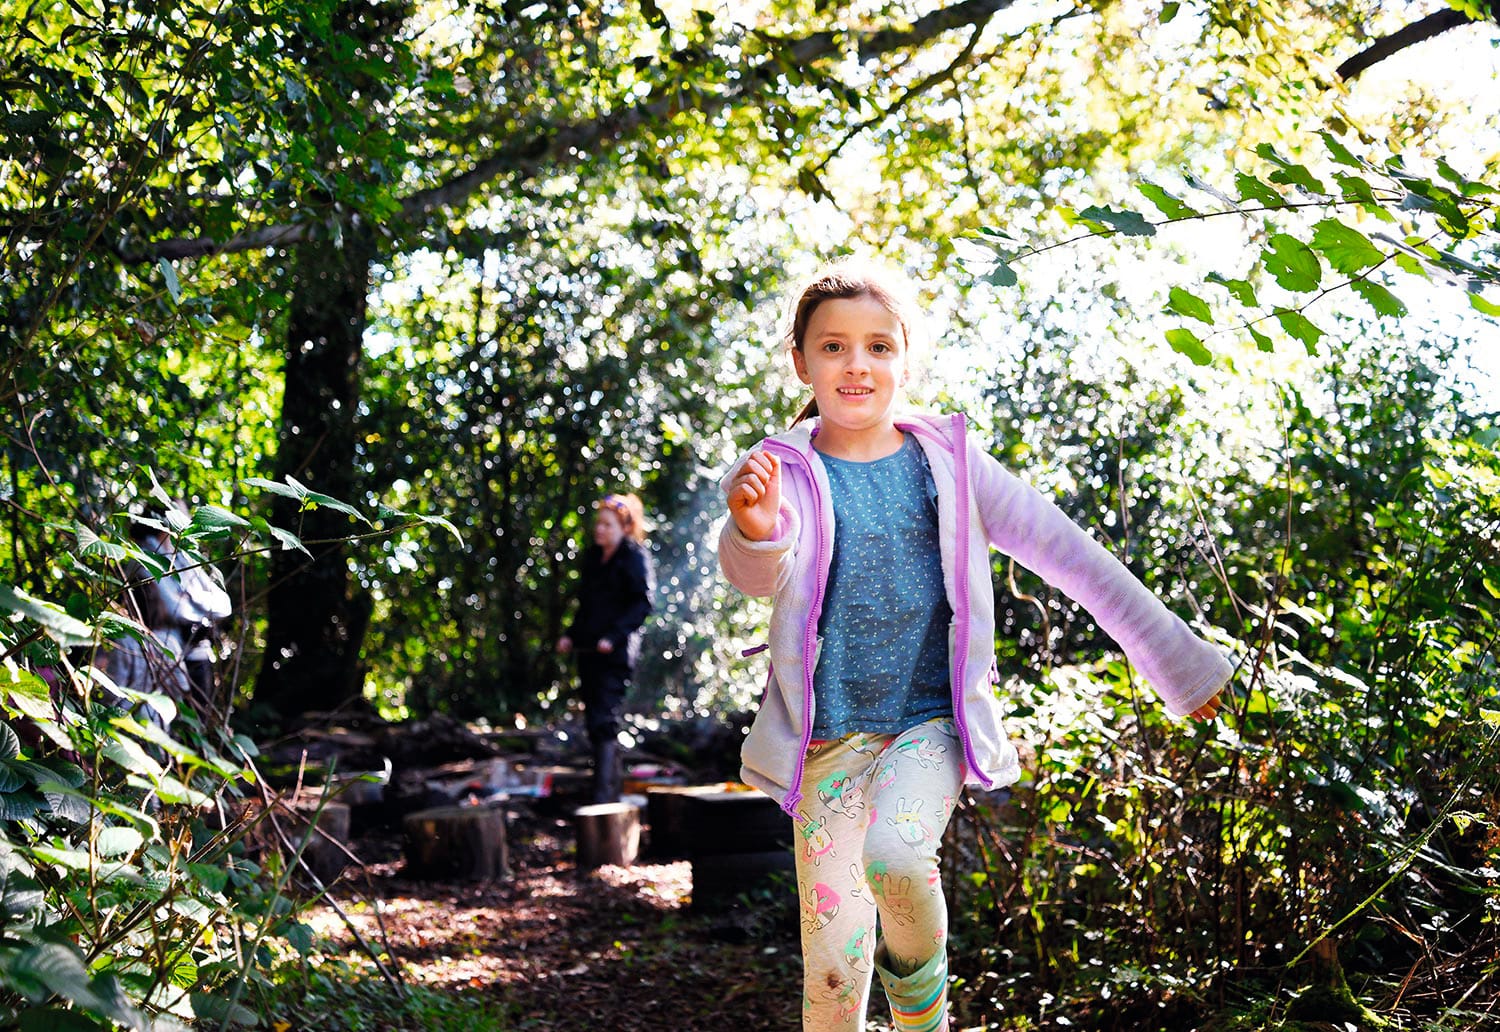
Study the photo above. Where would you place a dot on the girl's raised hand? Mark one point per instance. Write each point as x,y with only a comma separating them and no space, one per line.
754,495
1209,710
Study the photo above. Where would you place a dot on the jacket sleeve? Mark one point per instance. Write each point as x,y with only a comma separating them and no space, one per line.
1185,670
191,595
635,598
760,568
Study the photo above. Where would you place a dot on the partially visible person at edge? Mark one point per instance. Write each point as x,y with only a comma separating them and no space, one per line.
870,528
614,599
150,663
193,605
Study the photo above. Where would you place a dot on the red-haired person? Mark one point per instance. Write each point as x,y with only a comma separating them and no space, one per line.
614,599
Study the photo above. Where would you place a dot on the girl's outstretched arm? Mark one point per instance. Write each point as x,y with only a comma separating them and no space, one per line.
1186,671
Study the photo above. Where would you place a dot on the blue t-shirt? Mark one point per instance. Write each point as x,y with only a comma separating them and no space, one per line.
885,619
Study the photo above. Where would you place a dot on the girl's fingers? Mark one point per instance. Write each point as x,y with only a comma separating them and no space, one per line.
744,494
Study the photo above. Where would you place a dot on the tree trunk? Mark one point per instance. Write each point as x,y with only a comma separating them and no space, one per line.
315,626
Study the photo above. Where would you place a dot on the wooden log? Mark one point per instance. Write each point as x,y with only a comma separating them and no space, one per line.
462,843
608,833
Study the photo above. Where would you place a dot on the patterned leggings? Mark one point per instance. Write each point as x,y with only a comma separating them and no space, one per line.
872,818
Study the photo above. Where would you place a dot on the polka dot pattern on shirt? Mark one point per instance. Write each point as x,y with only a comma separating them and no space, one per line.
884,663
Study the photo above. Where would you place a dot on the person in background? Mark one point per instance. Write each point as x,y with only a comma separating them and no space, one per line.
192,605
148,662
614,599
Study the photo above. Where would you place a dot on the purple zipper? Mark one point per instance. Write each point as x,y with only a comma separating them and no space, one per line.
810,632
961,588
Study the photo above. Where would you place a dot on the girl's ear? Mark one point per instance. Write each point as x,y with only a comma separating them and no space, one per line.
799,360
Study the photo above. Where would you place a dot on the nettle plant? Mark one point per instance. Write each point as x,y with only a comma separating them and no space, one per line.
1440,227
129,894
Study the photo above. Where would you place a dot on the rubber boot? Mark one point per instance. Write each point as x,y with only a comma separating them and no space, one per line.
919,1001
607,777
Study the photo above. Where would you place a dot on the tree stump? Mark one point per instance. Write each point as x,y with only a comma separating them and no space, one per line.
461,843
740,843
667,833
608,833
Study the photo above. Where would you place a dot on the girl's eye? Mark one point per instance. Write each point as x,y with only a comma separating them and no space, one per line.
831,345
880,347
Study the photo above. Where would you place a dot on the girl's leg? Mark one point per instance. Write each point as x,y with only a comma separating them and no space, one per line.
838,909
916,788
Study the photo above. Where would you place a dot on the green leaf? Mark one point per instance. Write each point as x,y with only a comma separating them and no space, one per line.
1380,299
1410,264
1466,186
1186,342
293,490
1338,151
310,497
1354,188
170,274
118,841
1190,305
431,521
129,755
1347,250
218,1011
10,780
1478,302
53,619
1119,220
1002,275
211,520
183,972
1240,289
18,806
91,545
212,877
1289,172
59,968
1292,262
1252,189
1296,324
1165,203
10,743
1168,12
300,936
1262,342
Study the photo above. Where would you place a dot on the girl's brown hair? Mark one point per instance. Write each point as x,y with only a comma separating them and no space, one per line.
631,512
845,279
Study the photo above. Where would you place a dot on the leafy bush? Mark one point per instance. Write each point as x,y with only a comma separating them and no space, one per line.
136,886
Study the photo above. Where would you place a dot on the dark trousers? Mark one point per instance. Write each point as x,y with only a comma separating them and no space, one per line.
604,681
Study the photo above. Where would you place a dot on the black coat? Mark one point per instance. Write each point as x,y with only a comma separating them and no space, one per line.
614,599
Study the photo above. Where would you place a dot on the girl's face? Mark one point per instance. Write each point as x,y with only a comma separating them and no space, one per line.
854,358
609,531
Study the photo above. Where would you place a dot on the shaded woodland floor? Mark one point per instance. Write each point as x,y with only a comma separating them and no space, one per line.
615,950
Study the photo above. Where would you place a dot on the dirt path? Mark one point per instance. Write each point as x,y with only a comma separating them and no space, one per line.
618,950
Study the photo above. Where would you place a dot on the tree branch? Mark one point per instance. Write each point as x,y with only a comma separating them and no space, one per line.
1417,32
525,157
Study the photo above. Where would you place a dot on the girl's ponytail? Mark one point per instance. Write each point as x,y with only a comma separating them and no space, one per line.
808,411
